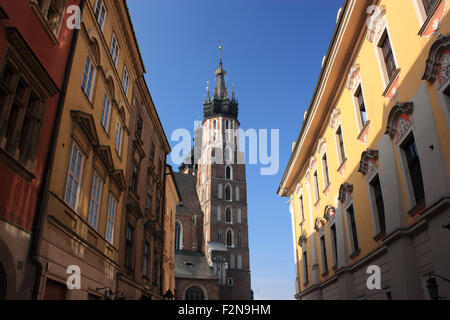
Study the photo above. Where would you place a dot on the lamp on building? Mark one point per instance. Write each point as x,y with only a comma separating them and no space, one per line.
168,295
432,285
108,292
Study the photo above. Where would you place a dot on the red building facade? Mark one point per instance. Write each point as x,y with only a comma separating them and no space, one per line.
35,47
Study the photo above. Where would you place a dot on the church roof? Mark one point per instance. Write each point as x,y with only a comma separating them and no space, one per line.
192,265
186,184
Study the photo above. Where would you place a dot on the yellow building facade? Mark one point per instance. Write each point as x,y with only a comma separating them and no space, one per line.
84,201
368,179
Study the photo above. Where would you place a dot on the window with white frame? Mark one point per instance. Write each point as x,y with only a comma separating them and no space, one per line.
228,193
96,199
111,219
414,171
326,172
125,80
100,13
74,177
88,77
106,112
362,117
119,137
334,248
316,185
305,265
230,238
178,236
323,250
352,228
340,145
228,215
230,282
301,208
53,12
377,199
114,50
390,67
228,172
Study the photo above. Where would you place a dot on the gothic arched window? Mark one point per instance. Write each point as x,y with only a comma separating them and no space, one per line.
229,238
194,293
228,173
228,193
228,215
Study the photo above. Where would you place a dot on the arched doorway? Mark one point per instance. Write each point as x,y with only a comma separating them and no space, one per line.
194,293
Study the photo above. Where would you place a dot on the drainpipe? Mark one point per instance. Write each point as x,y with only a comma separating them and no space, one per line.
161,278
38,225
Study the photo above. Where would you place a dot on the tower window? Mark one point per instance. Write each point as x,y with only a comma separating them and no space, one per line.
228,193
194,293
228,215
178,236
228,173
229,238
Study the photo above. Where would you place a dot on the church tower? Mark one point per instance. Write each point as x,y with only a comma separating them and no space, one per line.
222,190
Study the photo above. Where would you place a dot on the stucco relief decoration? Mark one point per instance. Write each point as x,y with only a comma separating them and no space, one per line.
318,225
365,136
321,147
434,23
376,22
312,164
329,213
353,78
345,194
399,120
368,165
302,240
444,72
436,59
335,118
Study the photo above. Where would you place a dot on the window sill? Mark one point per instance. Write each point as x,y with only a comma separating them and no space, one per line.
327,187
305,284
16,166
429,18
342,165
53,37
355,254
391,82
379,236
363,130
325,274
417,209
317,202
335,268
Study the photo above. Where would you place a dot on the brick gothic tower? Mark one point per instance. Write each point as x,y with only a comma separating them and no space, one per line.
221,187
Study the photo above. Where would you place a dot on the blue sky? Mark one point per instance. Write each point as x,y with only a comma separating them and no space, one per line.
272,51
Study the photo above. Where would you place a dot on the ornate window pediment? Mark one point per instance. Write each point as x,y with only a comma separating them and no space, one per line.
104,153
321,147
318,224
87,124
345,194
353,78
329,212
335,118
399,120
368,163
376,23
438,62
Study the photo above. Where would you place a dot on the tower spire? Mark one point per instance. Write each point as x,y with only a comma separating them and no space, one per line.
220,90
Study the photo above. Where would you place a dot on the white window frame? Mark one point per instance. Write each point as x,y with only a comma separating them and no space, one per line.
125,80
114,50
91,70
421,12
105,116
372,202
349,228
180,240
338,147
231,172
232,238
359,121
231,215
119,137
111,218
231,192
323,253
102,4
78,179
96,200
380,57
